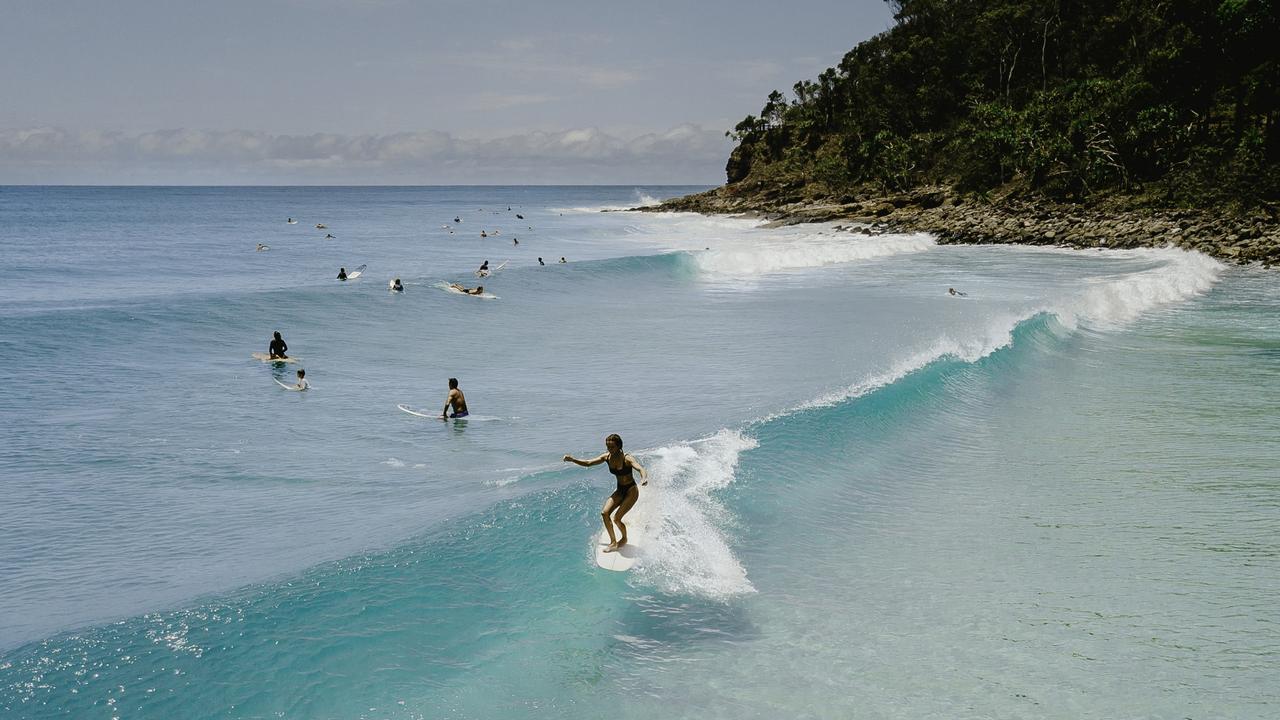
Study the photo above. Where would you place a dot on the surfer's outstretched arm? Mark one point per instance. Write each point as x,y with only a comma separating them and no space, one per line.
586,463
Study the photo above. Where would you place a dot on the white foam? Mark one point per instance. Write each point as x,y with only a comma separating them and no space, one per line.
688,547
746,258
393,462
1114,302
1105,304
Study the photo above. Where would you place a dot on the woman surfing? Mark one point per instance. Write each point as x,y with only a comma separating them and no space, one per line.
622,499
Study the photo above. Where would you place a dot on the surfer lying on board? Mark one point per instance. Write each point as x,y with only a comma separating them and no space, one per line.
621,465
455,399
955,292
470,291
277,348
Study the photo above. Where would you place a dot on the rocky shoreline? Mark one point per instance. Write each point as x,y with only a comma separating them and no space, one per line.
957,219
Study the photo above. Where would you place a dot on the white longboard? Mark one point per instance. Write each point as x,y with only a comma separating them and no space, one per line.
264,357
356,273
287,386
417,412
624,557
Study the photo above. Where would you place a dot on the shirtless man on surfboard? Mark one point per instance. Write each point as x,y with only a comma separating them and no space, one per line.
621,501
456,400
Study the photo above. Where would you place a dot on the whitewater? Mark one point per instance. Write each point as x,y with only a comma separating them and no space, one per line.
1051,496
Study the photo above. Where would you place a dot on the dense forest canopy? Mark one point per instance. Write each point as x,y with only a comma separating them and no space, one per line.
1174,102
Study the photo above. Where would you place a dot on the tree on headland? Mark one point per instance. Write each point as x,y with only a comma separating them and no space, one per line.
1172,102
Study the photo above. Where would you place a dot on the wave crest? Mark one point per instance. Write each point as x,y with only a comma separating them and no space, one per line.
1110,303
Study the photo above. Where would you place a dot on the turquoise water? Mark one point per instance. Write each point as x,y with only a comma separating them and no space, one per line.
1054,497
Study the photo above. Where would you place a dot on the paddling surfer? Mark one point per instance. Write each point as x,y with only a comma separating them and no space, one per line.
477,290
622,499
456,400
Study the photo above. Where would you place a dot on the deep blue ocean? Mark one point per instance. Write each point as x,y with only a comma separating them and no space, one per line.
1053,496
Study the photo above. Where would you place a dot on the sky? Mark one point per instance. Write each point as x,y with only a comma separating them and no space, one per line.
246,92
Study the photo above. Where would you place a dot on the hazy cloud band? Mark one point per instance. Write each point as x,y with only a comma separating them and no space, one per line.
684,154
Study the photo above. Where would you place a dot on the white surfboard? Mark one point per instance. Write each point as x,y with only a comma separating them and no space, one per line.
264,357
287,386
356,273
418,412
624,557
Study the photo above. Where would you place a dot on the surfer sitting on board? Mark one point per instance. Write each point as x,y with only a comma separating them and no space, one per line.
342,273
302,381
484,269
477,290
277,348
621,465
455,399
396,286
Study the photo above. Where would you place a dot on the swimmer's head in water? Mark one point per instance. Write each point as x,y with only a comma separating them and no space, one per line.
613,442
453,383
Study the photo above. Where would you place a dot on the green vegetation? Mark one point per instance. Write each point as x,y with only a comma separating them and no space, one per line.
1173,103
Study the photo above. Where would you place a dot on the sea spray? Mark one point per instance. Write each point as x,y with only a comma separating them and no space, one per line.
688,549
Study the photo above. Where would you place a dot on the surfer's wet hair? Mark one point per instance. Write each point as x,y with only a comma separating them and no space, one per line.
302,373
277,334
453,383
616,439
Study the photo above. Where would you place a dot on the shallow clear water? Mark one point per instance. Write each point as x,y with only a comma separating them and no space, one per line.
1053,497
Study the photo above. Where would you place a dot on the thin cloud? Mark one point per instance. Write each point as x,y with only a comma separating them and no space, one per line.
687,153
488,101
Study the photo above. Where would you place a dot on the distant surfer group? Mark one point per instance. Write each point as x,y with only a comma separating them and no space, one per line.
396,285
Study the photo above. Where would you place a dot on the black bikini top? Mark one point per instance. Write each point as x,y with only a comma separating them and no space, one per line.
624,470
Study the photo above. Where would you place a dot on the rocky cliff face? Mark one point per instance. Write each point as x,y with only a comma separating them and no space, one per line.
954,218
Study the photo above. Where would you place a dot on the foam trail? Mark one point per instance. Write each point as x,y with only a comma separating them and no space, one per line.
688,550
1112,303
806,252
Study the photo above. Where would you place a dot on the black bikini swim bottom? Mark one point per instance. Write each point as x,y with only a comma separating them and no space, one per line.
621,493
